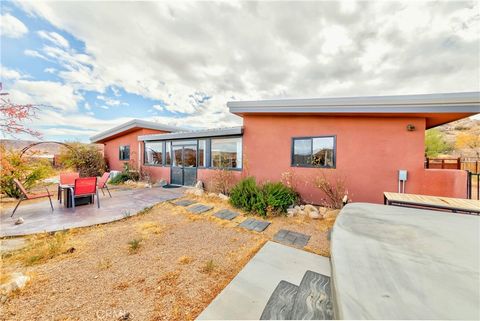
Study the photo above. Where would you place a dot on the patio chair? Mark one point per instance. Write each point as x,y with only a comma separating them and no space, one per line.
102,183
86,186
66,179
28,196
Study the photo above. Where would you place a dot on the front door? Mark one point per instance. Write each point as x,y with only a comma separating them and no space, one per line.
184,165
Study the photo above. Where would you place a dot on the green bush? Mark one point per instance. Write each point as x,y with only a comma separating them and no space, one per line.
125,175
28,171
86,159
119,178
271,198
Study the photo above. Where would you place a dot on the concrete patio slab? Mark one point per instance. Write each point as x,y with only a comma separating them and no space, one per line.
401,263
246,295
226,214
254,225
199,208
291,238
39,218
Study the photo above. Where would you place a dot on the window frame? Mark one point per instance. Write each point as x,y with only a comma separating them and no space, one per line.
145,153
120,153
292,151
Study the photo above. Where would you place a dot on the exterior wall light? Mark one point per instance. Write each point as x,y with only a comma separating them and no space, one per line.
410,127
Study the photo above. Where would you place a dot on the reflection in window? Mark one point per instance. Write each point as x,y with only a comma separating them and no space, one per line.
202,155
227,152
153,153
124,152
314,152
168,151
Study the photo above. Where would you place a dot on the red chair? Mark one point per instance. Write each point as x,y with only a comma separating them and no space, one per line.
86,186
27,196
65,180
102,183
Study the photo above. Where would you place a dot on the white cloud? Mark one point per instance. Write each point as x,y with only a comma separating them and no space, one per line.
181,52
49,93
7,73
11,27
109,101
158,107
54,38
33,53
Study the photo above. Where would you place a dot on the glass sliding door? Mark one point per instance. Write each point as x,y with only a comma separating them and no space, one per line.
184,163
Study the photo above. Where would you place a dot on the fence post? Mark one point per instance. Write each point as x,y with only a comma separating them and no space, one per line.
459,163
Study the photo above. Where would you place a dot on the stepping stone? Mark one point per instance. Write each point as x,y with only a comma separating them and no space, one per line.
184,202
291,238
199,208
280,304
254,225
226,214
313,300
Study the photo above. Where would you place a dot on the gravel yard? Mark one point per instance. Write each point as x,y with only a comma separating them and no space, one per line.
165,264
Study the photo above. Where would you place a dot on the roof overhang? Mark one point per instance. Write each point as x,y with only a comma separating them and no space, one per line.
215,132
129,127
436,108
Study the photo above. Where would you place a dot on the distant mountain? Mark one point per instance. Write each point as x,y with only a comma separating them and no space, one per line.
45,148
453,129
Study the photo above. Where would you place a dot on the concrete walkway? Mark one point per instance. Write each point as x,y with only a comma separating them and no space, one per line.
246,295
39,218
401,263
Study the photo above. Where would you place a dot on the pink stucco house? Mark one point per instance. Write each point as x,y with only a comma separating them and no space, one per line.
364,140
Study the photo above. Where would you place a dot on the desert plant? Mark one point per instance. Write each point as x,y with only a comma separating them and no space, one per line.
334,188
245,194
28,171
208,267
134,245
435,143
86,159
126,175
222,181
271,198
278,197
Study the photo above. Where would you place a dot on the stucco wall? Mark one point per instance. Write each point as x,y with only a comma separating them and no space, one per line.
112,146
369,152
445,182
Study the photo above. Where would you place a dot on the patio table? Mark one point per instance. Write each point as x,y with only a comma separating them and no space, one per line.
67,196
433,202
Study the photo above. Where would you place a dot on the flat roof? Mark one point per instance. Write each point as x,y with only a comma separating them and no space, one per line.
213,132
130,126
437,108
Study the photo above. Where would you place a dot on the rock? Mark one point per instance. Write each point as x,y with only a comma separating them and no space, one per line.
291,212
199,184
310,208
3,299
223,197
212,195
315,215
17,281
297,208
70,250
160,183
19,221
302,207
195,191
124,316
301,213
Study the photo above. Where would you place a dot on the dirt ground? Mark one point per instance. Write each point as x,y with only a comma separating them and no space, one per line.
165,264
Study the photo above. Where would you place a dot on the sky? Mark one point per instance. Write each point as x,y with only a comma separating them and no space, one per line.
95,65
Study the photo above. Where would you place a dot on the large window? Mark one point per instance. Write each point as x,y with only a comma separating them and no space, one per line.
154,153
226,153
124,152
314,152
168,153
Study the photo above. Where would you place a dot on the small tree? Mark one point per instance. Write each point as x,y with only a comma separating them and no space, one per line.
86,159
222,181
469,141
435,143
29,172
12,116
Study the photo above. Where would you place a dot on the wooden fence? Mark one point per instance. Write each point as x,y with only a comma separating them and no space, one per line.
470,164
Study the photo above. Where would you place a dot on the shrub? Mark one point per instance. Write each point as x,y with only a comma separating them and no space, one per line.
222,181
334,189
127,174
134,245
86,159
245,194
28,172
271,198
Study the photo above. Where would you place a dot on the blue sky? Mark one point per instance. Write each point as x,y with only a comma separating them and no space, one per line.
99,64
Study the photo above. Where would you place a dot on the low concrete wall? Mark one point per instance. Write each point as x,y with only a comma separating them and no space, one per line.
445,182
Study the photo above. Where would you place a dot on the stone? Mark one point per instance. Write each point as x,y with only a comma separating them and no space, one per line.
301,213
160,183
302,207
212,195
291,212
199,184
309,208
19,221
17,281
315,215
195,191
223,197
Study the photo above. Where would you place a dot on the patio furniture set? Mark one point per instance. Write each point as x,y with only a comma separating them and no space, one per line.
74,190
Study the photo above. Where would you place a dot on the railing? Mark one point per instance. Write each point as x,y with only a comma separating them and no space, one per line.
473,185
468,164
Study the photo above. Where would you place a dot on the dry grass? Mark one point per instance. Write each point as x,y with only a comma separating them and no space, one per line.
168,278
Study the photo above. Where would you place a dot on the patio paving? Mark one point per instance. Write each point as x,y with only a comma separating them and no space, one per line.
184,202
199,208
254,225
226,214
291,238
39,218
